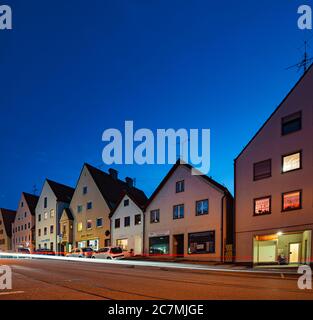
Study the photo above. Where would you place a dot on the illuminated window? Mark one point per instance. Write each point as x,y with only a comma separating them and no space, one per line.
201,242
292,201
291,123
46,215
202,207
155,216
52,213
262,170
122,243
292,162
79,226
262,206
178,211
137,219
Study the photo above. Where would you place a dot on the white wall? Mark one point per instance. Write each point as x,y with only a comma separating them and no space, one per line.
134,233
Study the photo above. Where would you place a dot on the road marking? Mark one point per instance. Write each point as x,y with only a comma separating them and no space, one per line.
11,292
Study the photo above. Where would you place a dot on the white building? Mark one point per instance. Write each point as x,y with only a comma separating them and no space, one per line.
127,225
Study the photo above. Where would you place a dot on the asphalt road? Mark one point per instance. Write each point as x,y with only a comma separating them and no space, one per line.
67,280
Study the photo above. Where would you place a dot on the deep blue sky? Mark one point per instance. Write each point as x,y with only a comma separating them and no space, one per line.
71,69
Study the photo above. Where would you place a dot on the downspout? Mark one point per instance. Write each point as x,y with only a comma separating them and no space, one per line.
143,231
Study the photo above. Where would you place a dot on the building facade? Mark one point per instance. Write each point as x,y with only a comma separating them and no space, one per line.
96,195
54,198
127,223
189,216
273,185
23,227
6,219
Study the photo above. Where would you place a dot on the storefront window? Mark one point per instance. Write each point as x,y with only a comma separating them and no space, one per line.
202,242
122,243
159,245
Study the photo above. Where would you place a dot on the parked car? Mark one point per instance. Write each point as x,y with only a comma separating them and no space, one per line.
24,251
109,253
81,253
46,252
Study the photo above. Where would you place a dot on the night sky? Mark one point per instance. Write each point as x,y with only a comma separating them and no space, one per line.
71,69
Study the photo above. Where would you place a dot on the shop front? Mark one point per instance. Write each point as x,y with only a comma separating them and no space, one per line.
92,243
159,245
282,248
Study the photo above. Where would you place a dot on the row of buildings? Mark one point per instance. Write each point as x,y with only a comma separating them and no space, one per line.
269,220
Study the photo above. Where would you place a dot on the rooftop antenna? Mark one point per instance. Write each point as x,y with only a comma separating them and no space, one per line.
35,189
305,62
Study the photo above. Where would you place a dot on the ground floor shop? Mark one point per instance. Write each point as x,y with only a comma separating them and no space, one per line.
284,246
194,245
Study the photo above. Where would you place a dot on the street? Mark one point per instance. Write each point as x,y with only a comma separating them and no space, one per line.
71,280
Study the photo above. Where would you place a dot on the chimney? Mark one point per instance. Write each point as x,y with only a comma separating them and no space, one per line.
129,181
113,173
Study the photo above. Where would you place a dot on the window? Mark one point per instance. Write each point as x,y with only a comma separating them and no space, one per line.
123,244
126,202
178,211
79,209
89,205
291,123
117,223
21,227
202,242
292,201
25,226
126,221
85,190
155,216
262,206
51,229
202,207
137,219
262,170
99,222
291,162
25,214
159,245
64,229
22,204
51,246
52,213
45,202
45,230
39,217
28,225
79,227
180,186
89,224
46,215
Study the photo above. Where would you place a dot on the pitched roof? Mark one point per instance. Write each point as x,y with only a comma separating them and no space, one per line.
69,213
62,192
31,201
188,166
112,189
8,217
139,199
310,69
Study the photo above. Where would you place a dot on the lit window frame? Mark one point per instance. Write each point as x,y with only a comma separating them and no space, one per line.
287,155
290,192
254,206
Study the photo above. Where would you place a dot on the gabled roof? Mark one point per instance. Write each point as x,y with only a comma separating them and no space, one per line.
8,217
62,192
112,189
189,167
310,69
31,201
139,199
68,213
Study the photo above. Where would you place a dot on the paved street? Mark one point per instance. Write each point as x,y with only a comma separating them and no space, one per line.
50,279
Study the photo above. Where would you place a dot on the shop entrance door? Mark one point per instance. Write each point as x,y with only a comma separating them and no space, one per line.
294,252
